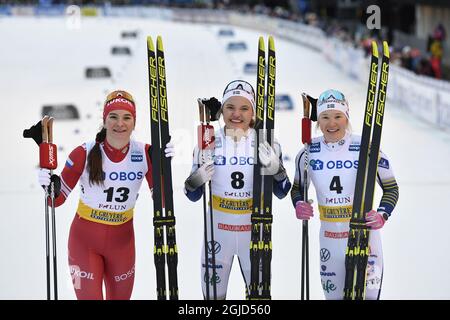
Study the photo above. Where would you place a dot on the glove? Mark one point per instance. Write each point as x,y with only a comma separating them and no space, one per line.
200,176
169,150
375,220
45,179
303,210
268,158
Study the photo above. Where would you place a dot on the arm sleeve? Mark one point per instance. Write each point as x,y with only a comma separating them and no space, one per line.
281,188
148,175
281,183
297,189
71,173
388,184
194,194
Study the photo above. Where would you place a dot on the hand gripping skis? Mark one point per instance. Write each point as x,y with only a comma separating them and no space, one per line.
357,252
261,232
42,134
163,212
306,140
206,138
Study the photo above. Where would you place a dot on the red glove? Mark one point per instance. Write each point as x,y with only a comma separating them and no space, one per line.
303,210
375,220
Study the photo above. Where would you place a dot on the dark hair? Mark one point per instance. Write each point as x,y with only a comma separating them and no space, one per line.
94,160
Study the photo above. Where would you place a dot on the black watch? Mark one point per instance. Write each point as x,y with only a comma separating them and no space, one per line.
385,216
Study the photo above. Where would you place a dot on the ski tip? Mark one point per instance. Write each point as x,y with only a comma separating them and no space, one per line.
374,49
159,43
386,49
271,43
150,43
261,43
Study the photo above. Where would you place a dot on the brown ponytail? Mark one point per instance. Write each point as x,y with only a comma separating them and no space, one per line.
94,160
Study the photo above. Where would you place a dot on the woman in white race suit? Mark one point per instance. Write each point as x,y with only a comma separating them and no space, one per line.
231,176
333,162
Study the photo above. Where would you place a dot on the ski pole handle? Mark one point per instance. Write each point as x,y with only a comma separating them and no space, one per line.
47,150
306,120
50,129
201,110
206,137
306,131
47,156
205,132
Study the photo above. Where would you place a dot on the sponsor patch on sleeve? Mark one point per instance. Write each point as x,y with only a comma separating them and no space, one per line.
136,156
314,147
354,147
383,163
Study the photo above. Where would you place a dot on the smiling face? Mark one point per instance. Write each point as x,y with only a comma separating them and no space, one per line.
333,124
119,125
237,113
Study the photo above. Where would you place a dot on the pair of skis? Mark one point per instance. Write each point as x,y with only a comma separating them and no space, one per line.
261,218
357,252
165,247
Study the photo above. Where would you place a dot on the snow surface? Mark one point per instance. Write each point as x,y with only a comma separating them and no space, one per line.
43,62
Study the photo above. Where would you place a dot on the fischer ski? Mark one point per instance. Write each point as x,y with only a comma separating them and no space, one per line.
165,247
261,234
357,252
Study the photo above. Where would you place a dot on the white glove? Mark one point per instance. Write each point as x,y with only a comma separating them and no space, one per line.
268,158
200,176
170,150
44,177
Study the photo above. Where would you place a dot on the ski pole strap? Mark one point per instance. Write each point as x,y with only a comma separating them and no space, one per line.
313,109
164,221
34,132
259,218
213,105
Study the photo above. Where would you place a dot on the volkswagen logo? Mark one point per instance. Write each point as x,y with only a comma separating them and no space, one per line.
324,254
217,247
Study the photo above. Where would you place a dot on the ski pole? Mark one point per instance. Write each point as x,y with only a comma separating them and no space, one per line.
211,216
306,140
52,198
48,160
206,145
